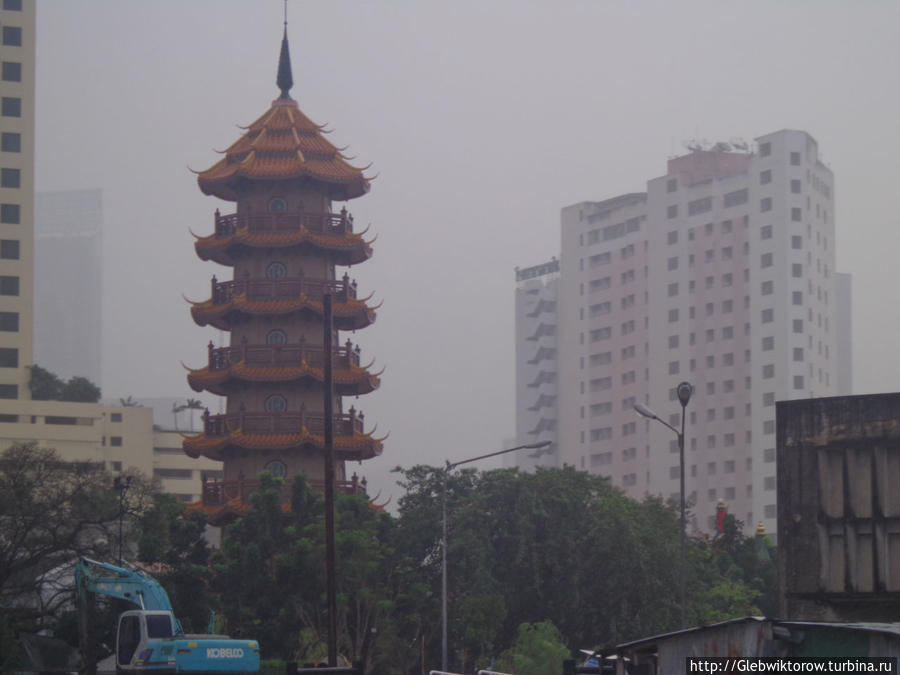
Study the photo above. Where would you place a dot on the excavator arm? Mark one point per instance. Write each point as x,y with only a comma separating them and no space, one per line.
131,585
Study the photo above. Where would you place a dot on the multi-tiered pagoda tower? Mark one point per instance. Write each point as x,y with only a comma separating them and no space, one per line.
284,243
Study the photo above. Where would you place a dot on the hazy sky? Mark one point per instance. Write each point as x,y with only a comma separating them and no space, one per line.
482,119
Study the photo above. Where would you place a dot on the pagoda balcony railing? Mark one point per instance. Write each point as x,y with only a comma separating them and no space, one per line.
280,423
320,223
222,358
219,493
284,288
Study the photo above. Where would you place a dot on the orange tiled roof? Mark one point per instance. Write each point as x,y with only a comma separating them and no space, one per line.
352,248
355,447
283,144
353,381
348,315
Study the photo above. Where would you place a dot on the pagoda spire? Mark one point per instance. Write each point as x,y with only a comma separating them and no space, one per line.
285,79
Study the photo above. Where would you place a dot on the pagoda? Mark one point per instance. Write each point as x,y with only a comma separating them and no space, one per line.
284,243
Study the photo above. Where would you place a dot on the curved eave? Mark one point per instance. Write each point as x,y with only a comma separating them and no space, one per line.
229,183
353,382
357,447
350,315
349,250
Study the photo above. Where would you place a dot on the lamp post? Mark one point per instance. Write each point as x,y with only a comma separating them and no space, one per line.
450,466
121,485
684,391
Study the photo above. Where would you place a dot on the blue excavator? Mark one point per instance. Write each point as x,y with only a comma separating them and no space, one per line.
150,639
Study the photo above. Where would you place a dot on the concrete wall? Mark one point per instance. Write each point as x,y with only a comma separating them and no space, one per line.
839,507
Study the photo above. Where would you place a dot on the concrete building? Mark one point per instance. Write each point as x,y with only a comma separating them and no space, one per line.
122,438
839,508
721,274
17,31
68,263
536,396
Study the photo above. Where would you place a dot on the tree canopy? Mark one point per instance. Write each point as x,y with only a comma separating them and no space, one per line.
47,386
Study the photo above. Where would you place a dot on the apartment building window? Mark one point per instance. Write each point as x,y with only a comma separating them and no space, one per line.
628,454
9,391
672,211
765,149
601,459
765,204
600,359
629,377
628,301
709,255
627,276
9,357
600,409
795,186
9,322
12,5
765,177
728,386
710,308
601,434
767,287
765,232
627,251
727,279
727,253
768,399
10,214
797,297
674,367
735,198
768,343
601,384
599,259
765,260
629,429
599,334
11,71
672,237
673,342
797,270
595,285
674,472
768,371
728,359
10,178
798,382
671,185
795,159
796,242
768,483
699,206
179,474
115,417
600,308
628,327
768,315
692,339
711,441
11,106
710,334
628,352
728,332
710,415
728,440
796,214
673,315
115,441
9,249
629,480
797,325
769,455
10,142
673,263
9,285
726,226
12,36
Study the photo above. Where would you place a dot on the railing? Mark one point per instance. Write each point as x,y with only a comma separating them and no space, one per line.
320,223
281,423
218,493
222,358
281,289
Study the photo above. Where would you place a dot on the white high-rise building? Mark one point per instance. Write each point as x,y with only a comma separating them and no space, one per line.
721,274
536,395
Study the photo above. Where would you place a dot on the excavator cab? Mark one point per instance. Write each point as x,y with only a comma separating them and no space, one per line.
136,628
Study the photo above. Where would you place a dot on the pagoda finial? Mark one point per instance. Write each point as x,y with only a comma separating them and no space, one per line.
285,79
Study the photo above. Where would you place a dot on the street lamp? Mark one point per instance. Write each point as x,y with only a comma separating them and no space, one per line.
122,487
684,391
450,466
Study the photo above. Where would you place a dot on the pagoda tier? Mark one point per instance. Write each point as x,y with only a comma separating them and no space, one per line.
236,301
282,431
232,366
235,234
283,145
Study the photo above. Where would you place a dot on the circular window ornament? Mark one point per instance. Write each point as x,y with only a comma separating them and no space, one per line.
276,270
276,403
276,337
276,468
277,205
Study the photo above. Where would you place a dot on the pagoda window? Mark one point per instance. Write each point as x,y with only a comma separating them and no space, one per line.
276,403
276,468
276,337
276,270
277,205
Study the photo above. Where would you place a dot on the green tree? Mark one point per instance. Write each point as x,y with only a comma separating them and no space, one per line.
539,649
80,389
44,385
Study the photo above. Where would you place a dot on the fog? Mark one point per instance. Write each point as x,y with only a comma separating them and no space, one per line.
482,120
